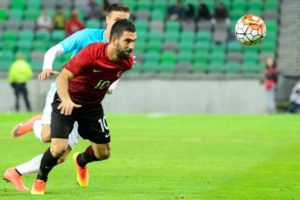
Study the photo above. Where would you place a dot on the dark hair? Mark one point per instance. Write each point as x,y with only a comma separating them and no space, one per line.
118,7
120,26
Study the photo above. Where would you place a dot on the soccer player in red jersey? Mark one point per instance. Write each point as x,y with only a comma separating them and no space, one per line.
81,86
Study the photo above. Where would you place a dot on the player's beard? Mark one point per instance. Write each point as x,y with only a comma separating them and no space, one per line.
122,54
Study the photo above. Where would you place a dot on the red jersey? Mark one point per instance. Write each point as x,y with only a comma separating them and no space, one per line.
94,73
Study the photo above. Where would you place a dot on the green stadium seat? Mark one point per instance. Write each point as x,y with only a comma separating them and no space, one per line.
204,35
158,14
216,67
217,57
26,35
24,45
272,26
34,4
218,48
15,14
200,57
250,68
4,65
210,5
17,4
154,46
58,35
185,56
160,5
152,56
186,45
200,66
250,57
234,46
141,26
39,45
172,36
36,66
167,67
271,4
42,35
155,36
9,45
173,26
187,35
268,46
140,46
3,15
202,46
239,5
144,5
233,67
7,55
132,4
255,5
93,23
151,66
10,35
168,57
32,13
236,14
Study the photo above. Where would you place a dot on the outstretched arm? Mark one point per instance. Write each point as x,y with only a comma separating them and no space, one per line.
49,58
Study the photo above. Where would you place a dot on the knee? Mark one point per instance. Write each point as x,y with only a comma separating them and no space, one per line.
46,135
58,150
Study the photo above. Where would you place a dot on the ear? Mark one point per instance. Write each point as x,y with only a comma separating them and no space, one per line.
114,41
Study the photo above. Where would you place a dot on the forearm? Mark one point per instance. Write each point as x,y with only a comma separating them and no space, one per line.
62,83
50,56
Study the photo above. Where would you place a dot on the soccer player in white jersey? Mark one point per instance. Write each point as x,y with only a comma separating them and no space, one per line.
40,125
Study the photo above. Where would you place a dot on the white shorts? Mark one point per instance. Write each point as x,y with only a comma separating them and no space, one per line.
46,117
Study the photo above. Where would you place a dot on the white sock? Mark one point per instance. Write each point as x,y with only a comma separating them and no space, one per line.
31,166
37,129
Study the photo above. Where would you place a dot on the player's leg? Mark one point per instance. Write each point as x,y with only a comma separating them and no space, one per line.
41,124
94,152
14,174
92,126
61,126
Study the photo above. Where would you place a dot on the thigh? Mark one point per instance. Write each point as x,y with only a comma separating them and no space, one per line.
61,125
93,125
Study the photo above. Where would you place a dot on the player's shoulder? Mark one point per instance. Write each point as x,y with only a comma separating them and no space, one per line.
97,49
89,32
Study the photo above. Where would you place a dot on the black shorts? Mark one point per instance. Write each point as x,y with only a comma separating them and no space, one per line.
91,121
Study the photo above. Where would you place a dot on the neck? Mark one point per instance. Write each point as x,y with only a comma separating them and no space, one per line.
111,53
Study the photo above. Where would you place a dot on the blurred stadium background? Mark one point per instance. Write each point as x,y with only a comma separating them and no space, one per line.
189,66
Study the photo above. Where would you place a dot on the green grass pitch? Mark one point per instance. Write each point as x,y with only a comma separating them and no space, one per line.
174,157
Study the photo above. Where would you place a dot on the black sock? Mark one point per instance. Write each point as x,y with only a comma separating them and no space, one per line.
47,163
86,157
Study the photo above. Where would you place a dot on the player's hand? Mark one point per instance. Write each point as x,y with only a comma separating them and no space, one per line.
47,73
66,107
